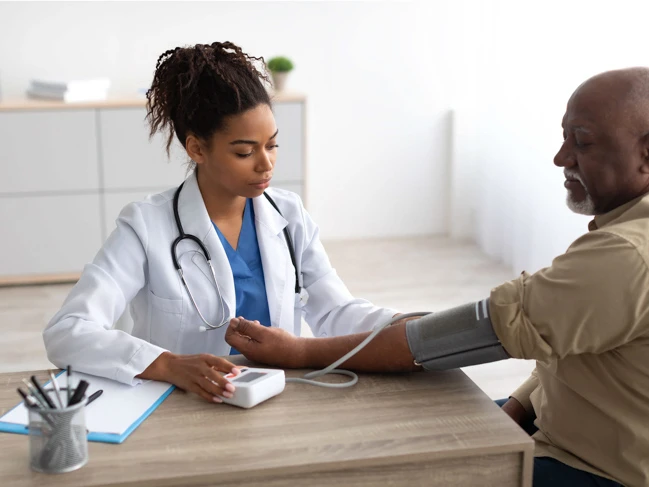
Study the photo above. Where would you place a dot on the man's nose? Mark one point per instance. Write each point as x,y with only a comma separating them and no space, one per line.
564,158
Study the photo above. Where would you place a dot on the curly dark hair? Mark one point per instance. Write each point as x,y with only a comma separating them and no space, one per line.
195,88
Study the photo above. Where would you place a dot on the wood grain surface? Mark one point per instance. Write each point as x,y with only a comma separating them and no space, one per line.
405,429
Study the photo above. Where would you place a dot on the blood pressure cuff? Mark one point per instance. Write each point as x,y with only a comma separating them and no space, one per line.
457,337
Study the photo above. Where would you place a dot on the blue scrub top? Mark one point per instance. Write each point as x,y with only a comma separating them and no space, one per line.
248,272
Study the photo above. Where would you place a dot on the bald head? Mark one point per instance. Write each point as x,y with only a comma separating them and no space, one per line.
622,95
605,154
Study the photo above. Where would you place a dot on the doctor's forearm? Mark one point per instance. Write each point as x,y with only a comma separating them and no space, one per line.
387,352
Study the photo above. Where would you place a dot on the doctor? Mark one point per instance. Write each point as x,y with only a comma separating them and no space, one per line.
265,252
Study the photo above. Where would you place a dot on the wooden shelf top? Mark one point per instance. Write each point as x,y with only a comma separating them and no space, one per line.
25,104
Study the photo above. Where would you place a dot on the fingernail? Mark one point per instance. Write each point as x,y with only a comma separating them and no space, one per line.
227,394
217,399
229,387
236,370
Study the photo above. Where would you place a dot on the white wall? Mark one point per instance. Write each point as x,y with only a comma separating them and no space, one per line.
533,56
376,77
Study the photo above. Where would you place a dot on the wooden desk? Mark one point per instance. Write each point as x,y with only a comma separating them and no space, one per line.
389,430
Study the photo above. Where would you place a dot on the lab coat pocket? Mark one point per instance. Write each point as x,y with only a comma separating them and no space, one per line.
166,321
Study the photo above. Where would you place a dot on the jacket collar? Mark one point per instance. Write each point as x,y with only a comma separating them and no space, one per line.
278,270
191,209
618,213
267,216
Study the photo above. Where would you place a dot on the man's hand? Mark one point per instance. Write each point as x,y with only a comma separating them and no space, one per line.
193,373
515,410
271,346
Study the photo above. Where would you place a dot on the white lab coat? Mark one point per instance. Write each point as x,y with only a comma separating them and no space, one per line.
135,266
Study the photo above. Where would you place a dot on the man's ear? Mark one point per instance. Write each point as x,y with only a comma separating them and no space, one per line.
195,149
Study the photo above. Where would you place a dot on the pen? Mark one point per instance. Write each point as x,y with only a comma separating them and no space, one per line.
32,403
57,391
68,373
94,396
34,393
78,393
29,400
42,392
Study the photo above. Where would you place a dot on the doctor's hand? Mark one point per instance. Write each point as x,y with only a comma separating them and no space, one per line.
271,346
193,373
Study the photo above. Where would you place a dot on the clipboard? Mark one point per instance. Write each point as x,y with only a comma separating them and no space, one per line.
112,417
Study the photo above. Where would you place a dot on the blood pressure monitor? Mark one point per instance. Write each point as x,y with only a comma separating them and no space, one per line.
253,386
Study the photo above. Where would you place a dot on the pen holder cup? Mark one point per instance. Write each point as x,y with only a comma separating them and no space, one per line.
58,440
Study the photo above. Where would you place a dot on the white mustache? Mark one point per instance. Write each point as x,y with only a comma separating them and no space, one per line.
574,175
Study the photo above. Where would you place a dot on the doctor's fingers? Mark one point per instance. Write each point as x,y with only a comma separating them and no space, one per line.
211,389
215,377
209,395
219,363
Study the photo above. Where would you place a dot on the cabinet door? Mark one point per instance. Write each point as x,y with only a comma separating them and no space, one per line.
129,160
46,151
290,155
48,234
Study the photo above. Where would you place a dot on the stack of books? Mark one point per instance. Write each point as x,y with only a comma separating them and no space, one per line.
69,91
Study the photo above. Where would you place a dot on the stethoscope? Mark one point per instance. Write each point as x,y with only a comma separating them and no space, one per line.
185,236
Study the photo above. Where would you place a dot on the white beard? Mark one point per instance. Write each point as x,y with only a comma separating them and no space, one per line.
583,207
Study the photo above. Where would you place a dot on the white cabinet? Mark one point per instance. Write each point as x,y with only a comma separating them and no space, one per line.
290,155
66,172
47,235
129,159
48,151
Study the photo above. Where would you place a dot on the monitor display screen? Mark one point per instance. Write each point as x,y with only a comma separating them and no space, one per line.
249,377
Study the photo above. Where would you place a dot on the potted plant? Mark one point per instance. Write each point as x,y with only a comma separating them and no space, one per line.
279,68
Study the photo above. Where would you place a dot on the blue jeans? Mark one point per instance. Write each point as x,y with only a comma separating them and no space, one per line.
549,472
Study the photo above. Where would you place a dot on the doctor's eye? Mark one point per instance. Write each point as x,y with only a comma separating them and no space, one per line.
243,156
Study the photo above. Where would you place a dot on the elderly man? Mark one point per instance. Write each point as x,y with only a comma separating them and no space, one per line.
584,319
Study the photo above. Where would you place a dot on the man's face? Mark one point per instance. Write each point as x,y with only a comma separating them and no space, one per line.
601,153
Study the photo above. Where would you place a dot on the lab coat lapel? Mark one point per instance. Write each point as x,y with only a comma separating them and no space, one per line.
276,263
196,221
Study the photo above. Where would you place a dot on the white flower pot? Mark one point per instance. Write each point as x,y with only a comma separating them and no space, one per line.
279,80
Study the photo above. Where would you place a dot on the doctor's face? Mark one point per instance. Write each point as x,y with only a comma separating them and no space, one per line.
239,159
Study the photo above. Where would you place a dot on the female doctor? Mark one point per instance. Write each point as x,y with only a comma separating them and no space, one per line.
221,245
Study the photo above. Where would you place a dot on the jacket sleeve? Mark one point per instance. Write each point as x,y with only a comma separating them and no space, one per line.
81,334
592,299
331,310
